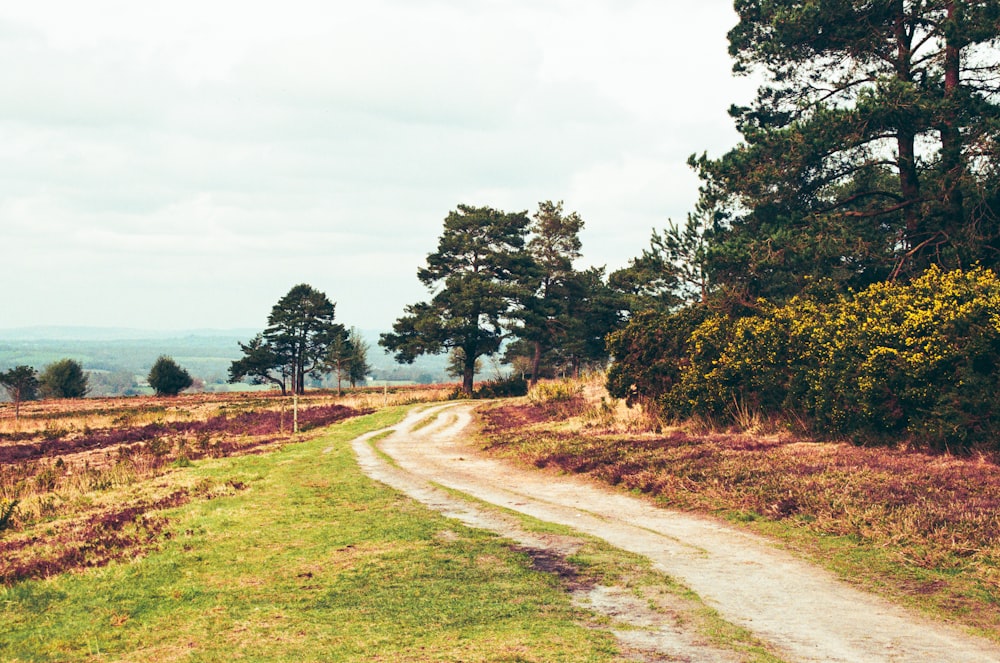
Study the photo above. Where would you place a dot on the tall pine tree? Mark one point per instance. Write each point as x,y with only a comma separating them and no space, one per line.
474,275
869,152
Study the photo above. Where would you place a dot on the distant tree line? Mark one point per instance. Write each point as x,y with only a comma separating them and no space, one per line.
67,379
301,340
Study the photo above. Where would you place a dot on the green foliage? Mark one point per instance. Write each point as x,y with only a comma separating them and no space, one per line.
547,288
359,366
650,352
500,387
914,360
8,509
21,383
63,379
671,272
260,363
864,154
593,310
167,378
296,343
920,358
347,358
475,274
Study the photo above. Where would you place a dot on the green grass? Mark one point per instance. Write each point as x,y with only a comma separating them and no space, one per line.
308,561
601,563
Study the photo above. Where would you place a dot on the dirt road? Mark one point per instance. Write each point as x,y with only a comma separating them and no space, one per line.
803,613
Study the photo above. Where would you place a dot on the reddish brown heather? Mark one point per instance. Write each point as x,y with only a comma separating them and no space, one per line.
41,470
94,540
934,519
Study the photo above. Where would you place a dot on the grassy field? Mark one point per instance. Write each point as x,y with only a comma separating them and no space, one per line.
200,528
294,555
920,528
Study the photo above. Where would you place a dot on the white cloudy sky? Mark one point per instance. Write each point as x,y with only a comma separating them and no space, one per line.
182,164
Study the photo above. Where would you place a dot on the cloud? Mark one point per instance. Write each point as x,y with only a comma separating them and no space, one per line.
195,159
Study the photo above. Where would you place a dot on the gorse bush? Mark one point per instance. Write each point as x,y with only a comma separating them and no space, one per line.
503,387
651,352
917,360
500,387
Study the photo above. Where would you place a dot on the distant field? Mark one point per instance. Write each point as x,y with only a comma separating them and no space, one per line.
206,356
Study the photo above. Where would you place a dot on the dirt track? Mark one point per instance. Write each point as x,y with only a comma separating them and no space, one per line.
803,613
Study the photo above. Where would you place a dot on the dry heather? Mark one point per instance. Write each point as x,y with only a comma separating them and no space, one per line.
924,527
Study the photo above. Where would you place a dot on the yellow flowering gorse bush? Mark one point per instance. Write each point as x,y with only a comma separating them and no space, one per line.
916,360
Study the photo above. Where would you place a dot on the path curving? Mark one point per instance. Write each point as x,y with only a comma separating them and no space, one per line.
802,612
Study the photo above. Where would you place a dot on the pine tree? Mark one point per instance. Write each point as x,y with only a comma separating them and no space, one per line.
475,275
63,379
868,154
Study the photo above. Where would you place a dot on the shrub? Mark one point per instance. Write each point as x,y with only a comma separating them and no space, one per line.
650,353
554,392
496,388
503,387
63,379
895,360
920,358
167,378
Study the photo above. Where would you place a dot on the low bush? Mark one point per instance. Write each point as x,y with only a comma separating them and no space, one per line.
555,392
508,387
503,388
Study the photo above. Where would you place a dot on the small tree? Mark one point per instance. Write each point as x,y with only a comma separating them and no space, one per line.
167,378
64,379
359,358
21,384
338,359
547,292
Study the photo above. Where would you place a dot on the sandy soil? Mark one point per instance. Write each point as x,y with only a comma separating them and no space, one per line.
803,613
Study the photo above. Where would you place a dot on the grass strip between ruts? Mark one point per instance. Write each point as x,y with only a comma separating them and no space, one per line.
308,560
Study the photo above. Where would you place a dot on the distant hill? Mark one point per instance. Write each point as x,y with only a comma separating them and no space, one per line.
42,333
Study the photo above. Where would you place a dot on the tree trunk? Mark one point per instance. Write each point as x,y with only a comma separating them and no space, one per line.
536,363
909,182
951,135
468,373
909,185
